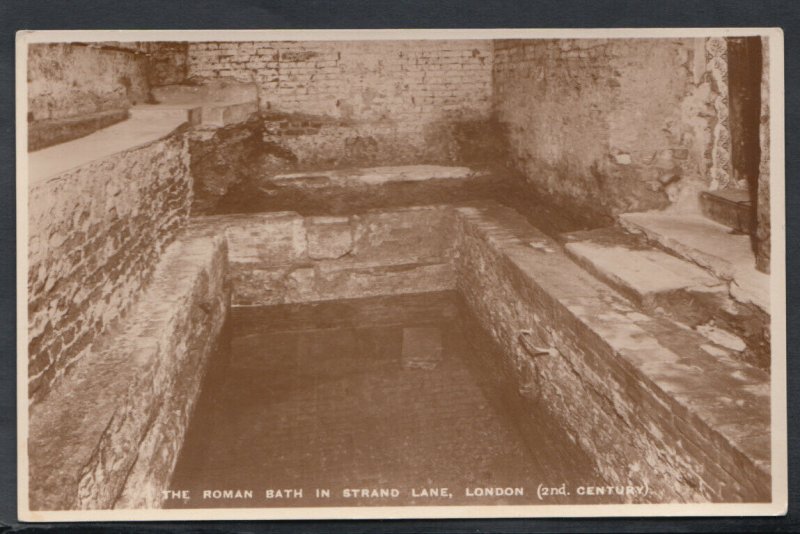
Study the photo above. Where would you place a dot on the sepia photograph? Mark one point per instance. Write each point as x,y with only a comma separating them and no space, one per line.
303,274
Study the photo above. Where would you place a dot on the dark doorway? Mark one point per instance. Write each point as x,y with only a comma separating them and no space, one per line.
744,93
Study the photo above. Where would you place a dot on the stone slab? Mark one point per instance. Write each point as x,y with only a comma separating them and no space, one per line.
710,245
641,273
377,175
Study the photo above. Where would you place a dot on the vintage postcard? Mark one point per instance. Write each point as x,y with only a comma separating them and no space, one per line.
400,274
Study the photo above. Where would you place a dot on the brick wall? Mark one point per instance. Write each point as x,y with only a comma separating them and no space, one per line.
605,123
71,79
94,235
408,82
356,104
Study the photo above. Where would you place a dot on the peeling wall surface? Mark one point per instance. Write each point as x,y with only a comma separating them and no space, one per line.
70,79
95,235
613,125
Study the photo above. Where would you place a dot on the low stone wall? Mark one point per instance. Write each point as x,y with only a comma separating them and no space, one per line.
637,393
109,436
95,233
283,257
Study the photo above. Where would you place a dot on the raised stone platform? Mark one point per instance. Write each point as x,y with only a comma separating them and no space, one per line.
346,191
220,103
108,435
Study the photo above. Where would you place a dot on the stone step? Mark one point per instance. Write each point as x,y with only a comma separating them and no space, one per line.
664,284
644,274
727,255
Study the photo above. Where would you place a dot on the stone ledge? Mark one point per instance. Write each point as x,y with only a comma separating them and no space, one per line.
140,130
108,435
45,133
709,417
710,245
375,175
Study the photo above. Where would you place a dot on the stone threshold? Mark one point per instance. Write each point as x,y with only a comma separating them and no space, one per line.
108,434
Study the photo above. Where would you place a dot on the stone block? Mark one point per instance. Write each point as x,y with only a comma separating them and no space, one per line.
328,237
267,239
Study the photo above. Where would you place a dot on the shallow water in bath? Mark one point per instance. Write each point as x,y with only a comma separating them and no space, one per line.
397,396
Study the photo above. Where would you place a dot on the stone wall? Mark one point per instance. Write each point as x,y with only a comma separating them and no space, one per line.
636,393
283,257
95,233
611,125
72,79
109,436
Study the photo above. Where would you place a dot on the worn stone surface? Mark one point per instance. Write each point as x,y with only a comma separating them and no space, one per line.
94,235
666,285
422,347
643,273
109,435
639,393
328,237
144,127
604,123
71,79
710,245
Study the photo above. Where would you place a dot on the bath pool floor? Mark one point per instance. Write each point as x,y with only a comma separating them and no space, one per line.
371,394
